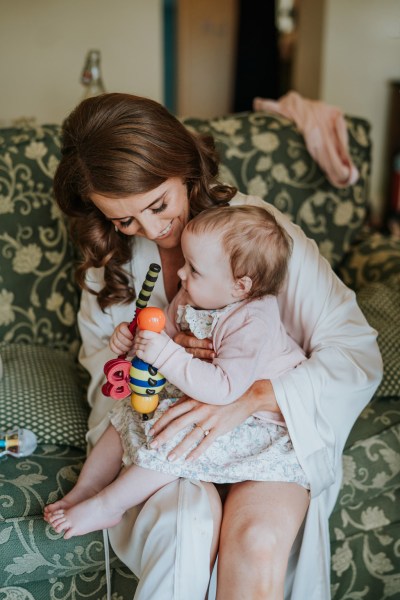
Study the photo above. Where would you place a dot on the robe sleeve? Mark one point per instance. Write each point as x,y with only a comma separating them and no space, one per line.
322,398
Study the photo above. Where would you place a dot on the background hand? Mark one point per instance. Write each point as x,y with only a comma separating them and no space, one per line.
197,348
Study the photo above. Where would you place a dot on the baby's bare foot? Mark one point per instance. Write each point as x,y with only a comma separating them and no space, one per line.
78,494
51,509
90,515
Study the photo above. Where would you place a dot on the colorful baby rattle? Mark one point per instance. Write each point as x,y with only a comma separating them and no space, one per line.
136,376
17,442
144,379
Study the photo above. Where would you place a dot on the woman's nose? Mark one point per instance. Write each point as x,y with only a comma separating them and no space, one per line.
151,227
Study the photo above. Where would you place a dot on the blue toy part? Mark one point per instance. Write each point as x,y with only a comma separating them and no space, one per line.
17,442
144,379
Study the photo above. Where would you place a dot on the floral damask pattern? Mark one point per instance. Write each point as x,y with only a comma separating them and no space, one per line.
265,155
38,298
32,552
365,527
374,258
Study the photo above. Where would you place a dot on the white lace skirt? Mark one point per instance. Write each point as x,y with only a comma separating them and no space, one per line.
255,450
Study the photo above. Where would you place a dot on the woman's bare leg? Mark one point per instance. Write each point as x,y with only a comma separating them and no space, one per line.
216,510
260,523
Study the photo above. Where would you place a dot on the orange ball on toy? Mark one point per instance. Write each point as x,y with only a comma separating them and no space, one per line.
152,319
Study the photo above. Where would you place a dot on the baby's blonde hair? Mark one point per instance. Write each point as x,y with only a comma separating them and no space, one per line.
258,247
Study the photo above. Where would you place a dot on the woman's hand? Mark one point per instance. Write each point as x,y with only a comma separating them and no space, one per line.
198,348
211,421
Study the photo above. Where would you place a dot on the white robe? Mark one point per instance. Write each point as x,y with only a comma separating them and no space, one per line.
320,401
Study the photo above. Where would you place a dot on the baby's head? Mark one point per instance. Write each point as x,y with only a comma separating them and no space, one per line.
245,248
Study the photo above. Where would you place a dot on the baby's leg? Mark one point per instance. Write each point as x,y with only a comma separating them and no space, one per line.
106,508
100,469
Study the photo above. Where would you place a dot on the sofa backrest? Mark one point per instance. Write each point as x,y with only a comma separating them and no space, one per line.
38,296
260,154
265,155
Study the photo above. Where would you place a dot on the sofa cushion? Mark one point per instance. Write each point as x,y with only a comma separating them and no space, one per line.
33,556
43,389
365,524
38,298
380,303
265,155
374,257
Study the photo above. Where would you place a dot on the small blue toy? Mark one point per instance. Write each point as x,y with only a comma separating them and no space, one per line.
17,442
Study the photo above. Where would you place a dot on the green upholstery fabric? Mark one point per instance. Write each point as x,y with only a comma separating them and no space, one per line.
380,303
41,390
365,525
38,298
375,257
265,155
31,552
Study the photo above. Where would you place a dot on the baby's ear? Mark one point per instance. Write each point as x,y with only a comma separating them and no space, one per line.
242,287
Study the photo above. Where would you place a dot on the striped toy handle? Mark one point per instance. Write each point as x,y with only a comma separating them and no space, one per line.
144,294
117,369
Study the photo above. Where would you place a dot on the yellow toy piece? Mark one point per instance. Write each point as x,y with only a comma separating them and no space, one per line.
144,404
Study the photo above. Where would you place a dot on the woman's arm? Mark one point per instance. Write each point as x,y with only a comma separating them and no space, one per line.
218,420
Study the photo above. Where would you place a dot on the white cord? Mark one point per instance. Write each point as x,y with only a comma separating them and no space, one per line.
107,563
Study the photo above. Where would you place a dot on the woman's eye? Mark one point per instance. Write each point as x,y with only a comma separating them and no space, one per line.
160,208
125,224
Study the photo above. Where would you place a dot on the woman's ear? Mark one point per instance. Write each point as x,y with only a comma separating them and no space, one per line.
242,287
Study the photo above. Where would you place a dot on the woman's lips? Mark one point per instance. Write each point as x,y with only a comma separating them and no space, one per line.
165,232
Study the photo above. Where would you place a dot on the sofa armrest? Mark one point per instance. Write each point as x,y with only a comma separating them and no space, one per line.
374,258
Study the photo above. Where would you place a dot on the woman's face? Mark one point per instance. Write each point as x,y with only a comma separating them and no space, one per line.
159,215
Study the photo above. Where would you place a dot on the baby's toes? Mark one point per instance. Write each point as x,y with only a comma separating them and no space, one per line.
57,514
57,520
68,533
61,526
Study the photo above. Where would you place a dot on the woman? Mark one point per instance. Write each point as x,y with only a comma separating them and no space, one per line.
130,178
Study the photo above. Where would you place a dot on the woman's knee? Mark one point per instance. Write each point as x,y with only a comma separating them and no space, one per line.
257,542
256,553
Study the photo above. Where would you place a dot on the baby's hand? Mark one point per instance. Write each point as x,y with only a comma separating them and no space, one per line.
121,340
149,344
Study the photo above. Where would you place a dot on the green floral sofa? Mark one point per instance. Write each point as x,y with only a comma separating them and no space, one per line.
42,387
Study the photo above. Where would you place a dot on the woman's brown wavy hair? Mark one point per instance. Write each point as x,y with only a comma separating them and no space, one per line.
118,145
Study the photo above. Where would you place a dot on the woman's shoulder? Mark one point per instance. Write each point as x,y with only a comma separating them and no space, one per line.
241,199
296,233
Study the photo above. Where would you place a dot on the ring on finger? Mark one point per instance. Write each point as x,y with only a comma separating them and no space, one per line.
205,431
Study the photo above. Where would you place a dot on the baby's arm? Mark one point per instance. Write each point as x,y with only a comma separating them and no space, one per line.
220,382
